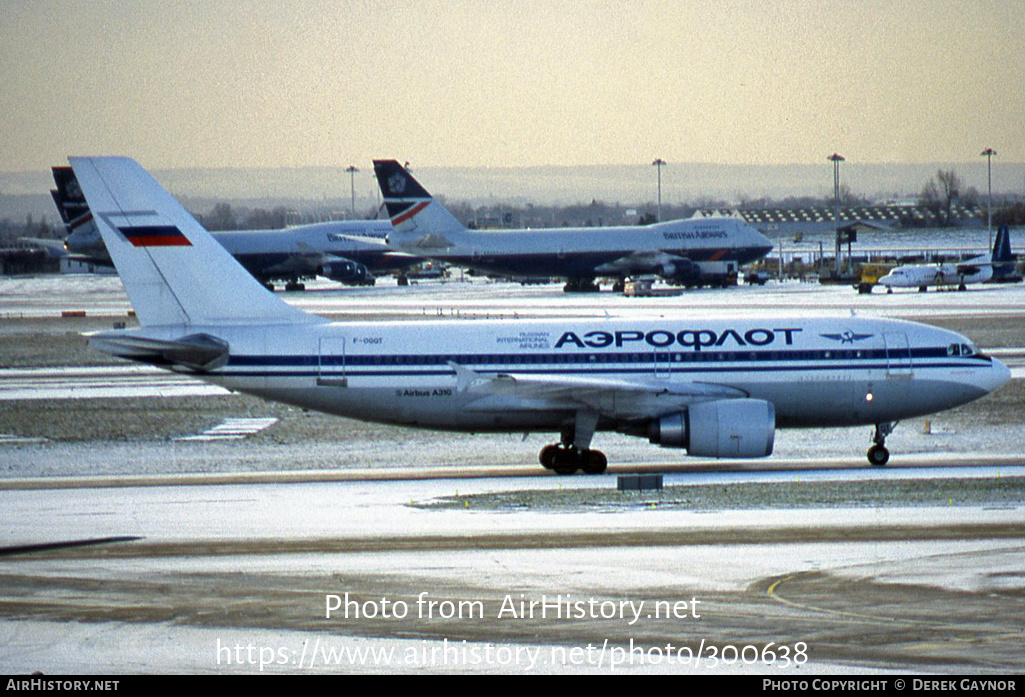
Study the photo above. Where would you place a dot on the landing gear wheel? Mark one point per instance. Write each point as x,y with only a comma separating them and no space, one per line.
560,458
594,462
567,461
563,459
878,455
581,285
547,456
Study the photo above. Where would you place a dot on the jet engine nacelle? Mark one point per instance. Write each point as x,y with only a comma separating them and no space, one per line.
721,428
680,270
345,272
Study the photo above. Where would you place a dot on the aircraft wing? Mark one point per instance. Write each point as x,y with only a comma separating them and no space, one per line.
426,243
54,248
968,268
365,239
618,399
652,261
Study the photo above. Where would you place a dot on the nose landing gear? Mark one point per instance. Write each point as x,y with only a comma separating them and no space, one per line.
878,455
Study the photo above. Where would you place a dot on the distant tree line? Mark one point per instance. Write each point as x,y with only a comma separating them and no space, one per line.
223,217
11,230
941,194
1013,215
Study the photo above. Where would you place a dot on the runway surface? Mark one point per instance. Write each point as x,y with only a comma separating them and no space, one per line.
103,296
240,577
147,528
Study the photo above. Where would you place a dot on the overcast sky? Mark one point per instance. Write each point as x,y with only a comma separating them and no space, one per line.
218,83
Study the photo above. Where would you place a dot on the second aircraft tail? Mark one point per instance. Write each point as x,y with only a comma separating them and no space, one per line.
1003,259
417,218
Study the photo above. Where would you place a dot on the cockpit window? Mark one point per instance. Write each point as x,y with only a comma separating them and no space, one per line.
967,350
954,350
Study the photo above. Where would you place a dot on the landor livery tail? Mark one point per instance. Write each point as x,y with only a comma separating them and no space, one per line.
414,213
174,272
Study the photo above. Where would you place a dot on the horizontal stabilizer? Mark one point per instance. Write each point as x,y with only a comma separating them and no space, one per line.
199,352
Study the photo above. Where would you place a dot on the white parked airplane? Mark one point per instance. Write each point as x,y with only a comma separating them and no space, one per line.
718,388
979,269
352,252
681,251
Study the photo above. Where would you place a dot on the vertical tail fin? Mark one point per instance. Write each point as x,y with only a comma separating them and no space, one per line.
83,236
1002,245
1003,260
68,195
174,272
417,218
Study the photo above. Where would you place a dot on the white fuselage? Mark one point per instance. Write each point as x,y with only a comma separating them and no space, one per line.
926,275
718,388
588,252
816,372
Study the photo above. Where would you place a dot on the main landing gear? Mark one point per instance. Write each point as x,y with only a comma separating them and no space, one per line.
878,455
574,452
581,285
565,459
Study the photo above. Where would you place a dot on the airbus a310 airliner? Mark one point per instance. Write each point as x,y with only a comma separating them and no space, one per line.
715,388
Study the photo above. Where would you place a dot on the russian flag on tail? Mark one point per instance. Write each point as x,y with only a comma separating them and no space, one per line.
155,236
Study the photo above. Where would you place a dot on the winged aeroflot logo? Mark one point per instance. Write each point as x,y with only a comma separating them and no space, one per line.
848,337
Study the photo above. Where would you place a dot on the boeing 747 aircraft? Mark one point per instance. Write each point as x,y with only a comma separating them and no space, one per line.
680,250
717,388
349,252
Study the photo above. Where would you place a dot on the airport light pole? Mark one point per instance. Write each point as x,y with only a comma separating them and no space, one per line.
989,153
659,163
836,160
352,169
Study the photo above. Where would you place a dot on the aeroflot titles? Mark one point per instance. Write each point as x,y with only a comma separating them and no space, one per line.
690,338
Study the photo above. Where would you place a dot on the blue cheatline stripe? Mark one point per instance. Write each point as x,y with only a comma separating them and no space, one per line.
852,359
622,371
646,366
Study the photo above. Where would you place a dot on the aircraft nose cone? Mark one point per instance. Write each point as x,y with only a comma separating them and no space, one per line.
998,375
